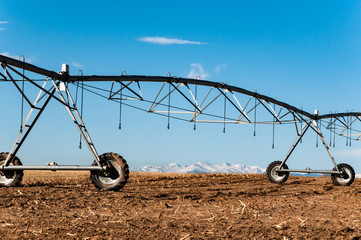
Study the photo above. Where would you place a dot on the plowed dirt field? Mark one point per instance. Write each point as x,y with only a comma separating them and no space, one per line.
65,205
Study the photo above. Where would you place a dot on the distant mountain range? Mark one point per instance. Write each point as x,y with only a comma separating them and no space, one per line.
204,167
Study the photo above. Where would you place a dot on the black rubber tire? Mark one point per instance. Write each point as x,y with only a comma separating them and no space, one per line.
116,176
10,178
272,174
345,180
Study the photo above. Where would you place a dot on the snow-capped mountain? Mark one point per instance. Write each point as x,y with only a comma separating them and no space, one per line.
204,167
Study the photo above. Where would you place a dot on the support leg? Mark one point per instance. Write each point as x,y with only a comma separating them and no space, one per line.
295,143
71,107
313,125
318,131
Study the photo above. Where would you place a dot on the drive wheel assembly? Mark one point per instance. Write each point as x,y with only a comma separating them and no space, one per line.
347,176
10,178
273,175
116,172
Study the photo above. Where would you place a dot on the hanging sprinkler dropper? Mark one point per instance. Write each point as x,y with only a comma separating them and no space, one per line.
22,99
195,109
255,114
124,73
168,75
225,110
316,125
80,73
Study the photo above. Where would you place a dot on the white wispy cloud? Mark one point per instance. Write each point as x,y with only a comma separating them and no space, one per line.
77,65
167,41
220,67
196,71
3,22
7,54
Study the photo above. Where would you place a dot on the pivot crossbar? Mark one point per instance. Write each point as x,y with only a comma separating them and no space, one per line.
53,168
308,171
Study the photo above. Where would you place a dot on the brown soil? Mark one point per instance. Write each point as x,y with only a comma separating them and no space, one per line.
65,205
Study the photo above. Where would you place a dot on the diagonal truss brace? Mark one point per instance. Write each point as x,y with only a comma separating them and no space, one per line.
240,109
125,86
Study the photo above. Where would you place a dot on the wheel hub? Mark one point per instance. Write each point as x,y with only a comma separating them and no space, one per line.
344,174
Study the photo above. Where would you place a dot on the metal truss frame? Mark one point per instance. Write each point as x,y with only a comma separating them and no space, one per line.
65,98
245,106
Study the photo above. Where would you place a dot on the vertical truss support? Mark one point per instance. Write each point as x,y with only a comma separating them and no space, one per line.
71,107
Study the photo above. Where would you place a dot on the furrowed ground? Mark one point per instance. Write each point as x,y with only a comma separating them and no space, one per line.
65,205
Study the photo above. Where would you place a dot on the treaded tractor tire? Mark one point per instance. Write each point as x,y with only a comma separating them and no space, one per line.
115,177
10,178
272,174
345,180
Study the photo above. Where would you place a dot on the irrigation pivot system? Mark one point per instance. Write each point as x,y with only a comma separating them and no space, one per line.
192,100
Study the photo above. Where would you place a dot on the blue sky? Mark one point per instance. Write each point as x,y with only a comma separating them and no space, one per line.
305,53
